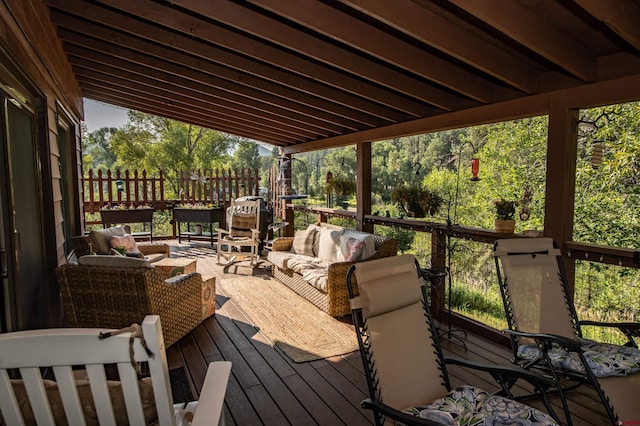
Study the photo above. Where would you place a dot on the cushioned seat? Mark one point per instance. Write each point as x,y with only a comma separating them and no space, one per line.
314,263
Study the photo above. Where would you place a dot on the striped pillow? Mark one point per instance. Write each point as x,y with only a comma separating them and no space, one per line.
303,242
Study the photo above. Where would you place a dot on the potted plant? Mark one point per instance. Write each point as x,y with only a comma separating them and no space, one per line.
343,186
416,200
505,213
123,213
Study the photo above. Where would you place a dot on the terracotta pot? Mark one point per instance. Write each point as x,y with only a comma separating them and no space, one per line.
505,226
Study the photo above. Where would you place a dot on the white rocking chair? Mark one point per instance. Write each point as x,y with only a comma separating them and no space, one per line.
243,219
98,401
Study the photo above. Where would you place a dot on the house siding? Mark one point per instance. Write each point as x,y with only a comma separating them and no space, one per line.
29,40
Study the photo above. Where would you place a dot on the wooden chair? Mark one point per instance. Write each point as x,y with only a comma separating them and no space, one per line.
406,372
243,219
66,351
546,333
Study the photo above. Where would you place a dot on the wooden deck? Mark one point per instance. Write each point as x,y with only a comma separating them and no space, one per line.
268,388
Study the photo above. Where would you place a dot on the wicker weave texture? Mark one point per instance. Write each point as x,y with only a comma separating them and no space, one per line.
335,301
112,297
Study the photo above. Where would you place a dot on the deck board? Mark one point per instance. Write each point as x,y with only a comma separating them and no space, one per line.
268,388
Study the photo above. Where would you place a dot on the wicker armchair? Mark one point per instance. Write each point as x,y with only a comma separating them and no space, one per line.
116,297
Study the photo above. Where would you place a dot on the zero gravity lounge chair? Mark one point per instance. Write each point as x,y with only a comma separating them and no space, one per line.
545,331
405,369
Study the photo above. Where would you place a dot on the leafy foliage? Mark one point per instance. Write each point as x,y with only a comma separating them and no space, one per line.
416,199
505,209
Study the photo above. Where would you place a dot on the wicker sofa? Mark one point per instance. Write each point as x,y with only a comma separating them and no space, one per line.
116,296
334,299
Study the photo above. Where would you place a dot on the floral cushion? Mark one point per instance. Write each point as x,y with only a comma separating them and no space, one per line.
125,241
604,359
208,296
470,406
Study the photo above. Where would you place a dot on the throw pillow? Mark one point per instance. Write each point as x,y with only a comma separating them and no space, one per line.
316,237
329,247
241,224
126,241
101,238
365,250
351,248
303,242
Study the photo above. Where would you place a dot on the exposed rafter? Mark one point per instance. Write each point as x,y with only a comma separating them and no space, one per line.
316,73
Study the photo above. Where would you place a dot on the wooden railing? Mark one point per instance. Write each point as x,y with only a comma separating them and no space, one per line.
133,189
217,187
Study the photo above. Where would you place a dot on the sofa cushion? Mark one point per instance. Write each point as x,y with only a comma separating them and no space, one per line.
127,241
314,270
329,246
303,242
116,261
101,238
280,258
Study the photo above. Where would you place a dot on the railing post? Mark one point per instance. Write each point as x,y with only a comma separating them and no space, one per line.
438,262
289,217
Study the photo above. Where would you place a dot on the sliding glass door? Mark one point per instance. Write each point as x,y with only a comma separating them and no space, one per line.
26,290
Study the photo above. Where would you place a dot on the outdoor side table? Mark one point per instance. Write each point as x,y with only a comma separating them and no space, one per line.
170,267
189,216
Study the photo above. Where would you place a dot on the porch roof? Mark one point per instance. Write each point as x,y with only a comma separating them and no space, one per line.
313,74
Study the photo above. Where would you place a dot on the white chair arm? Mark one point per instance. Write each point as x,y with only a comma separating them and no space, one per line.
211,401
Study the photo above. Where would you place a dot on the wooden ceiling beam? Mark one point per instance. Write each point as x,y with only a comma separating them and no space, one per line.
155,107
308,64
188,88
622,16
298,72
535,34
353,32
494,59
85,68
174,101
80,32
199,82
625,89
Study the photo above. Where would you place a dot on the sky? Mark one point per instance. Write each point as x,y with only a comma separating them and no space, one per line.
98,115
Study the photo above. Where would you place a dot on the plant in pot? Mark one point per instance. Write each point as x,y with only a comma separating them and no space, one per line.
416,200
343,186
505,213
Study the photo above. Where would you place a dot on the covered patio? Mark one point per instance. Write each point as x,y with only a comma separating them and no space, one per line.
301,76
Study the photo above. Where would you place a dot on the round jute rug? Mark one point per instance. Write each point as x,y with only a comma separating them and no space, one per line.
300,329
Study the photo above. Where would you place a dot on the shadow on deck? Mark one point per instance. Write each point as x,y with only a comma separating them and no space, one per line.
268,388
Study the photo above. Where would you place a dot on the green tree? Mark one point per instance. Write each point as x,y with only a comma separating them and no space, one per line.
96,147
246,154
155,143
